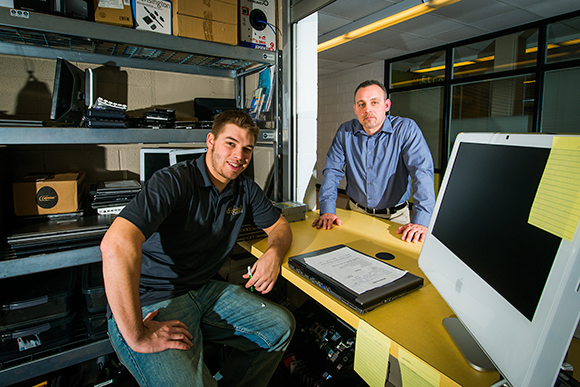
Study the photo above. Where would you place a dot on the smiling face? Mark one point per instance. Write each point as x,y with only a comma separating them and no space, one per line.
228,154
370,107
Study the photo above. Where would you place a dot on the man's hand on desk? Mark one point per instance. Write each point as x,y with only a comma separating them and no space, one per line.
412,232
325,221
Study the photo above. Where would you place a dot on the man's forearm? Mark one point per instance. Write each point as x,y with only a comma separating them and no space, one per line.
280,238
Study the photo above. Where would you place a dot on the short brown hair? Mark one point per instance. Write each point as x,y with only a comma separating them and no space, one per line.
236,117
371,82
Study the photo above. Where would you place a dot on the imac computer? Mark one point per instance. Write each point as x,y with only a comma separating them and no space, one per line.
513,286
153,159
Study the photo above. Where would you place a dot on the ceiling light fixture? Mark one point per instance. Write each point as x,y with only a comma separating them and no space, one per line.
424,7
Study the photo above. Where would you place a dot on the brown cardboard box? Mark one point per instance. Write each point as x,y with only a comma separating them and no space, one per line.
115,16
220,11
205,29
48,193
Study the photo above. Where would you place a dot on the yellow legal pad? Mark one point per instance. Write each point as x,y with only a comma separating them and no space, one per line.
556,207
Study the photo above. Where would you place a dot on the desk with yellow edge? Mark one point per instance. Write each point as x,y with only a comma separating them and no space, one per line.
412,322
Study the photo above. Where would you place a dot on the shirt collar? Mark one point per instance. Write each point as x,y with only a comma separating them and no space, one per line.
387,127
202,168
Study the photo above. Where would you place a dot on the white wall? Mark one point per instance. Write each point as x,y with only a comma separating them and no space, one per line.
305,110
335,104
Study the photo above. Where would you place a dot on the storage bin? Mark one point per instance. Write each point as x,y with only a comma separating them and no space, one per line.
96,325
36,298
94,287
24,341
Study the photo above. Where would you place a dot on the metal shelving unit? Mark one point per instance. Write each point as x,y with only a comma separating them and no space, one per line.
47,36
54,136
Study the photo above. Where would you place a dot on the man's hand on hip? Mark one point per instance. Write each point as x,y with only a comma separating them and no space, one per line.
412,232
325,221
159,336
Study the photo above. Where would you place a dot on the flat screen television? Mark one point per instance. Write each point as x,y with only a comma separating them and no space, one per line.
68,93
512,286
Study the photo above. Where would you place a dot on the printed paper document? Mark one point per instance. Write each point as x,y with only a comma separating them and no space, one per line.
356,271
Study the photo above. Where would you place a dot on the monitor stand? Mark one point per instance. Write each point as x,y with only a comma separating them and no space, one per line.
469,348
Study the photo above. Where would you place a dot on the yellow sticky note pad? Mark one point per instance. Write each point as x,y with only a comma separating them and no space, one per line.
415,373
371,354
556,207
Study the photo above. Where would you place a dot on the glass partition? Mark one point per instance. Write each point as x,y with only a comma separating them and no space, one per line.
419,70
563,41
504,53
561,101
501,105
425,106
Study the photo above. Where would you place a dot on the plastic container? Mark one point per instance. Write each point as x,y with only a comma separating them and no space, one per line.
24,341
94,288
36,298
96,325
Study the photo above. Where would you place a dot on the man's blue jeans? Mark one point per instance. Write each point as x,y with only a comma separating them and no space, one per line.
257,329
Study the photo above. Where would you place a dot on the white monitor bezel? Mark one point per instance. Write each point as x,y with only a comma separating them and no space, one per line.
526,353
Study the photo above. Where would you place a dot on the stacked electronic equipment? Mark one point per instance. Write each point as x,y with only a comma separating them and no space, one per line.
321,353
105,114
36,314
94,313
110,197
159,118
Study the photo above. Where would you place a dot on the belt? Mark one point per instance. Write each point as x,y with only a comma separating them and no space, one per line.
387,211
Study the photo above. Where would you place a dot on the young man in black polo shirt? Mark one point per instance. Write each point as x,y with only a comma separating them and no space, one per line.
163,248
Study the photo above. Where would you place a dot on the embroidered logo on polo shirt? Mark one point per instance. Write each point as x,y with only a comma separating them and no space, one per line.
235,210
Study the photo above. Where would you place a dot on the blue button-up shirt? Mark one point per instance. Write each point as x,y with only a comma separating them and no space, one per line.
381,170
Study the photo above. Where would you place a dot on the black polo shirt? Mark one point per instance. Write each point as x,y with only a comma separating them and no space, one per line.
190,227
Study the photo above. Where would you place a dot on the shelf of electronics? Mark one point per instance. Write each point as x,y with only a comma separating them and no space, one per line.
47,36
49,135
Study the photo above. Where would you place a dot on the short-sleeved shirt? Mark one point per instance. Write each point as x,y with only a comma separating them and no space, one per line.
190,227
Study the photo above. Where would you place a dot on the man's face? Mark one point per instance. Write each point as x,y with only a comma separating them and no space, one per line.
229,154
370,107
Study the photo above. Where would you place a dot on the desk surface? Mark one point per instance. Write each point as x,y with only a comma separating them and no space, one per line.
413,322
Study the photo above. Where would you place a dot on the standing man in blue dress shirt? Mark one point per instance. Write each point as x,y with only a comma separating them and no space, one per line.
385,158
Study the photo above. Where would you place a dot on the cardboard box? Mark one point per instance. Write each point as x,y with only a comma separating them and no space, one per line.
115,12
205,29
42,194
221,11
153,15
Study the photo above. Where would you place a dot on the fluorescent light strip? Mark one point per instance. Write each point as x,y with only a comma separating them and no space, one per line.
402,16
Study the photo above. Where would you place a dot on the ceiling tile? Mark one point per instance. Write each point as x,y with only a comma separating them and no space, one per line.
510,19
426,25
327,23
470,11
355,10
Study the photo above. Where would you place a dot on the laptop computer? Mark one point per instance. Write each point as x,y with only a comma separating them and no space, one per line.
362,302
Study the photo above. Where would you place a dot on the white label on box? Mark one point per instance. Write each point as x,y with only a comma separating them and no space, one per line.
153,15
113,4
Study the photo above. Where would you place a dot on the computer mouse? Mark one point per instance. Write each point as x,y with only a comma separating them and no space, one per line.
385,256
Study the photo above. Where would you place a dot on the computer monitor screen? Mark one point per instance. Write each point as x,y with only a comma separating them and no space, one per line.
207,108
512,285
68,93
154,159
